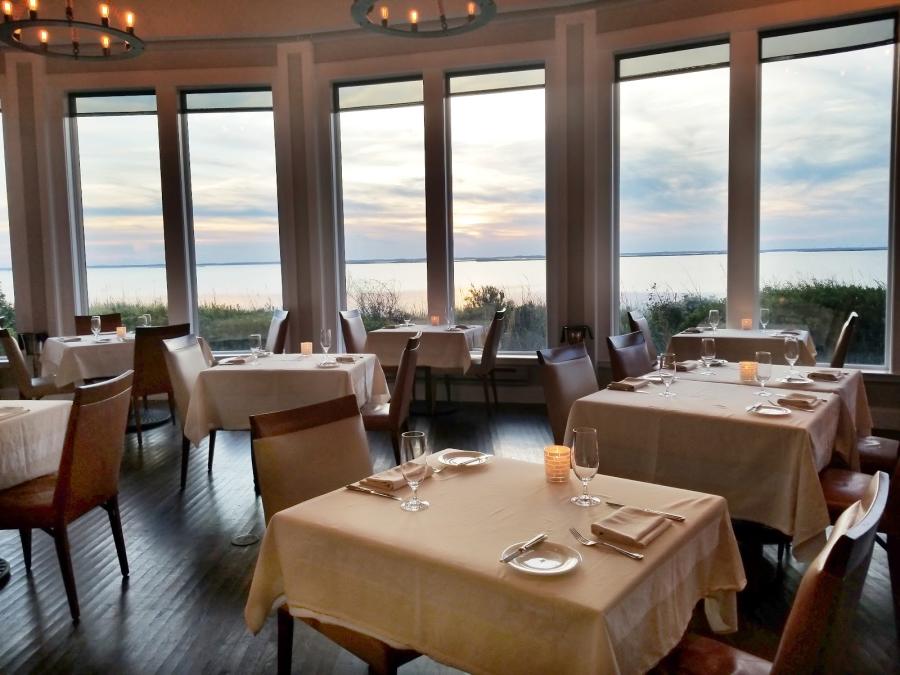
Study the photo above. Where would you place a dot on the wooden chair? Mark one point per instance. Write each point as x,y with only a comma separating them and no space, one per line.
306,452
185,361
277,332
484,365
842,346
817,627
882,456
29,387
566,374
637,322
394,416
354,331
151,375
88,477
108,323
628,355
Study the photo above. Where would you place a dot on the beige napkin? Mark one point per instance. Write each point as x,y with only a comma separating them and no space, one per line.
69,339
6,412
800,401
344,359
233,361
629,525
685,366
628,384
392,479
825,375
696,329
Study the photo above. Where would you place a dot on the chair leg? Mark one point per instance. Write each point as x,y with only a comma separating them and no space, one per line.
61,539
487,394
115,522
429,391
25,536
447,387
212,450
136,408
171,406
395,441
494,387
185,455
146,402
255,474
285,641
893,553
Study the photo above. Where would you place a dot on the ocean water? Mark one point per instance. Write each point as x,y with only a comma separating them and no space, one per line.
258,285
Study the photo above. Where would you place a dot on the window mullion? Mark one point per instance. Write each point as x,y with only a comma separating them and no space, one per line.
439,229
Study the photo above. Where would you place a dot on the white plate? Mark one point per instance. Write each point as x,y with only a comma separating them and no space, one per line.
548,558
795,380
770,410
327,364
462,457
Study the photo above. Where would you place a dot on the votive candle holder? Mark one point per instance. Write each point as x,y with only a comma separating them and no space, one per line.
748,371
557,463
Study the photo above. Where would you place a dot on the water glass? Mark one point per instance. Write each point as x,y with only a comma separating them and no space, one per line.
713,319
763,371
791,352
143,321
708,354
255,344
667,370
325,341
95,326
415,469
585,463
764,317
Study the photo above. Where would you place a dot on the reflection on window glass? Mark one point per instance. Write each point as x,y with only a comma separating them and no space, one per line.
121,205
499,224
825,186
382,173
673,194
7,299
235,214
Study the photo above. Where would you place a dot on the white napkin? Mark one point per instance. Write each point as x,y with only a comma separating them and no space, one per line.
628,384
392,479
6,412
344,358
629,525
69,339
684,366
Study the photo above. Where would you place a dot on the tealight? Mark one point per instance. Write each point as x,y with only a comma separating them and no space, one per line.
748,371
435,319
746,324
557,463
120,332
306,348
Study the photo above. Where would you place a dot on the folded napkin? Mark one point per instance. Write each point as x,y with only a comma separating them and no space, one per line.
788,332
694,329
69,339
344,358
685,366
462,326
799,401
7,412
392,479
630,525
391,325
825,375
628,384
233,361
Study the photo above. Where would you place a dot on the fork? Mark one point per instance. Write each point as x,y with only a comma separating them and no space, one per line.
593,542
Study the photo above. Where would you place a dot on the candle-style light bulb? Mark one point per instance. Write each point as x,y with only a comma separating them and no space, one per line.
70,12
105,42
413,20
470,10
129,22
45,39
385,15
7,10
32,9
104,14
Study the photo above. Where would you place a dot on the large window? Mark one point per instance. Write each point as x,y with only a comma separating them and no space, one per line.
381,137
673,186
497,124
826,118
117,146
7,299
231,146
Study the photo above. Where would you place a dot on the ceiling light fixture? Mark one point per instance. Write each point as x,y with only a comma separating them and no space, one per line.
24,29
471,15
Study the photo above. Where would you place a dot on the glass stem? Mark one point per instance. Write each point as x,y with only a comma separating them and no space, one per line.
584,492
415,489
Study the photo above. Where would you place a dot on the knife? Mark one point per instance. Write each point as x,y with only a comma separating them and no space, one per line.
377,493
670,516
527,546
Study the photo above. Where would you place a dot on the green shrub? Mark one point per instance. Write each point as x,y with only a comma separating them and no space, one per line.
7,313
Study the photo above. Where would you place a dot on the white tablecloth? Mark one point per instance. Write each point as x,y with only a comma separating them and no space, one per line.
431,580
69,362
31,443
440,348
225,396
704,439
742,345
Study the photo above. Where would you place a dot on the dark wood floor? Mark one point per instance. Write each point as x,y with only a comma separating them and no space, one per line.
182,608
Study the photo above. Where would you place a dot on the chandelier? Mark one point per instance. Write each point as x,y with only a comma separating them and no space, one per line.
23,28
477,14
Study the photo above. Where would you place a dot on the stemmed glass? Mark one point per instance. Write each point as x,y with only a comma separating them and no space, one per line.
791,353
407,320
415,469
763,371
95,326
667,370
585,463
713,319
764,317
255,345
143,320
708,354
325,341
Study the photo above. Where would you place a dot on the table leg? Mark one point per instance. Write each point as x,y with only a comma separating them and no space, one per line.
4,571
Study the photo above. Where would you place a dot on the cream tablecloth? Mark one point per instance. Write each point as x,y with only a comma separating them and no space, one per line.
440,348
31,443
704,439
742,345
69,362
431,581
224,397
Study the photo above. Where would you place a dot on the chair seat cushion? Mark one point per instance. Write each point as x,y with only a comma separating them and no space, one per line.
881,457
696,655
28,504
376,416
842,488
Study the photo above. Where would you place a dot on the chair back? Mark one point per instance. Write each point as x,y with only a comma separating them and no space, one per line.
92,451
637,322
354,331
492,341
402,397
628,355
17,362
815,636
306,452
566,374
277,332
184,360
108,322
151,376
207,352
842,346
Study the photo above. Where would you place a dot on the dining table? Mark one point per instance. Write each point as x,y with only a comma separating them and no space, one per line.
445,348
432,581
226,395
76,359
741,345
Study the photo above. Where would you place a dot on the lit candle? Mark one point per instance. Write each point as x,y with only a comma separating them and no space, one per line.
470,10
104,13
120,332
385,15
45,39
32,9
413,20
557,463
747,324
129,22
105,42
748,371
306,348
7,11
435,319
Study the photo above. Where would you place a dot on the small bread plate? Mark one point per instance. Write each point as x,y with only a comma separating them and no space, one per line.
768,409
327,364
464,458
546,559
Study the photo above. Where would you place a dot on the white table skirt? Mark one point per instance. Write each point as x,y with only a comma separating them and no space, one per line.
31,443
69,362
439,348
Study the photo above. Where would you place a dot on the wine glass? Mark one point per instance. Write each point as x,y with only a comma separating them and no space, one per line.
415,469
708,354
255,344
763,371
713,319
585,463
325,341
791,353
407,320
142,321
95,326
667,370
764,317
450,316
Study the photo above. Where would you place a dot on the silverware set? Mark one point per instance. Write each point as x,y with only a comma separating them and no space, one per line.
584,541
